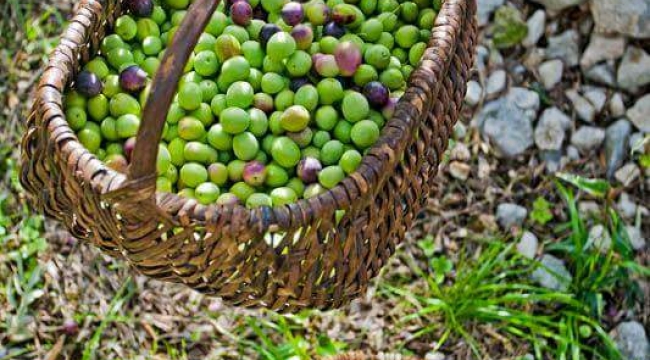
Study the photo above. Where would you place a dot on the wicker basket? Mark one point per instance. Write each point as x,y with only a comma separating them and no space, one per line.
283,258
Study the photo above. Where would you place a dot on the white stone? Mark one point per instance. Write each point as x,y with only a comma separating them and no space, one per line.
510,214
628,17
556,5
616,105
459,170
601,74
527,245
551,128
639,114
536,24
636,237
627,174
474,93
616,145
599,238
602,48
597,98
507,121
634,70
632,341
496,83
550,73
582,106
588,208
552,274
486,8
460,152
565,46
626,207
588,138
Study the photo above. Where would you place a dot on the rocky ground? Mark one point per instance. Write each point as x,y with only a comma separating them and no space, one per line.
559,86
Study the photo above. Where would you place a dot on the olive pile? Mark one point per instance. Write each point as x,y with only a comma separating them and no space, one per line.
278,101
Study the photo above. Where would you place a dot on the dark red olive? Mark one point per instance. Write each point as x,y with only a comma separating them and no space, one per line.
376,93
88,84
333,29
241,13
133,79
297,83
266,32
254,173
140,8
308,169
292,13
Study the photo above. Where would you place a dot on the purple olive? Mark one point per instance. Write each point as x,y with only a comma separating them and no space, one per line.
333,29
292,13
308,169
266,32
254,173
88,84
133,79
376,93
264,102
326,65
348,57
129,145
241,13
304,36
297,83
140,8
389,109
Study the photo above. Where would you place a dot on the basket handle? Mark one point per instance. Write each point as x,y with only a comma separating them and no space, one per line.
143,167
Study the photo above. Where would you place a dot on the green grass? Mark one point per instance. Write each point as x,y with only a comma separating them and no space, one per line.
494,289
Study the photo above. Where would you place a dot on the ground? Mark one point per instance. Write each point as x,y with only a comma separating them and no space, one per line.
532,246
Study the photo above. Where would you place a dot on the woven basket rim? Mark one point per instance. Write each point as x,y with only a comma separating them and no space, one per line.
196,211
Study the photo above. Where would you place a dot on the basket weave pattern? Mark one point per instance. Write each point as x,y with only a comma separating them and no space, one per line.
284,258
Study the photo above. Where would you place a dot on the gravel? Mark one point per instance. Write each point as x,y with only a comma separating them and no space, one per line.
632,341
627,174
599,238
565,46
551,129
459,170
639,114
474,93
486,8
588,138
636,237
628,17
616,105
556,5
511,214
536,26
597,97
507,121
634,70
602,48
496,83
585,110
550,73
616,145
552,274
603,74
527,245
